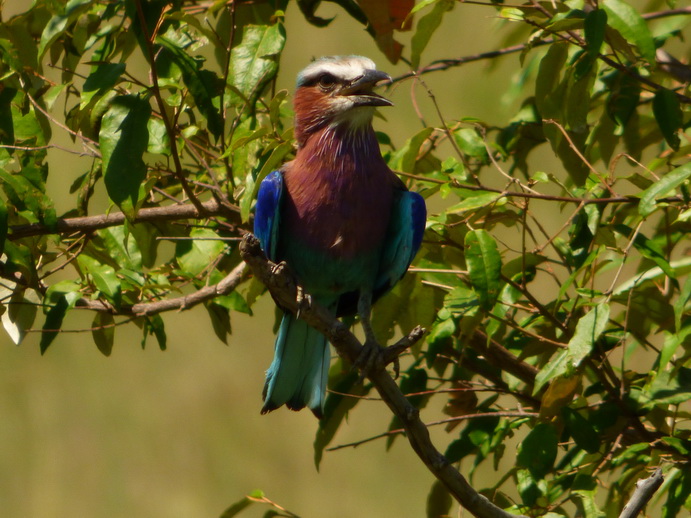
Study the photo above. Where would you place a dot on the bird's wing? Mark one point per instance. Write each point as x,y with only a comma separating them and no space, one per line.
267,213
403,241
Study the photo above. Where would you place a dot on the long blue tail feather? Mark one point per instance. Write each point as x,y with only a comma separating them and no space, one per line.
299,372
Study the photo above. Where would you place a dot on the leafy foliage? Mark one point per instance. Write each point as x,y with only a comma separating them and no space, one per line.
571,335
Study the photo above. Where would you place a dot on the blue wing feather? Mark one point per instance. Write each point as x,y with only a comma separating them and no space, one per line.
267,212
405,237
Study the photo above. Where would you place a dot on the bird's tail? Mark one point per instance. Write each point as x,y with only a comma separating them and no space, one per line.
299,371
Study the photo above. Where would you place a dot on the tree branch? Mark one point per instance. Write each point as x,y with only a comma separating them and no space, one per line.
91,223
142,309
645,489
284,290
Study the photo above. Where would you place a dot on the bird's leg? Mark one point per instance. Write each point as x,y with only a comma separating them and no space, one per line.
303,299
371,355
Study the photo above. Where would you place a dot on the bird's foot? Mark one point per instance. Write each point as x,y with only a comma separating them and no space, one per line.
279,268
374,357
303,299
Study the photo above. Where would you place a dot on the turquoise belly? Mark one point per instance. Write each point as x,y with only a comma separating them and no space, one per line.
325,276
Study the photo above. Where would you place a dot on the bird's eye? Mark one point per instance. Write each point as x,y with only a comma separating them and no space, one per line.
327,81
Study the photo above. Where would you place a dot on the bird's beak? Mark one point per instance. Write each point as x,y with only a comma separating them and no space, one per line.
360,90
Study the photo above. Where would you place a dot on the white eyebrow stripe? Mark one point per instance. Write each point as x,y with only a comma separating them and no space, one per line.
345,68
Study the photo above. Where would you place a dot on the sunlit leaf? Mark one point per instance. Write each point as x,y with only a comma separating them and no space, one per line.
58,23
20,312
426,27
254,62
588,330
630,24
196,254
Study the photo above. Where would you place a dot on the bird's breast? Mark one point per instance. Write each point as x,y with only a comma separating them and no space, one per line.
342,215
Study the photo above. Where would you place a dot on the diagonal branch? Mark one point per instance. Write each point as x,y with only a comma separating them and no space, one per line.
284,290
645,489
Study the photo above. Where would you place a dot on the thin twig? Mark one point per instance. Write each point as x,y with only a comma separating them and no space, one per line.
170,130
454,419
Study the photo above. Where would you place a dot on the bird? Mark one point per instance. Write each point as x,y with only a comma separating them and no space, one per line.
344,223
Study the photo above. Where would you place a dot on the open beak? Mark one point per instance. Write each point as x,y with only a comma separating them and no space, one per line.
361,92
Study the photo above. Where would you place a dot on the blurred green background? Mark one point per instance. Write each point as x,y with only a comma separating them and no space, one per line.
147,433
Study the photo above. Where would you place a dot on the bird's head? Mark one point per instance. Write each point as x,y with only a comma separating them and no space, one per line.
337,90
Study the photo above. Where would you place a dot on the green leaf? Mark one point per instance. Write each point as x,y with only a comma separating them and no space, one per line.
20,311
680,305
484,266
630,24
557,366
426,27
461,301
471,143
623,99
254,61
681,267
588,330
667,111
103,331
204,85
538,451
124,137
594,30
58,23
53,323
220,320
102,79
6,126
527,487
406,157
60,297
667,183
648,248
195,255
439,501
587,504
237,508
159,141
153,325
548,79
581,430
4,227
476,201
104,278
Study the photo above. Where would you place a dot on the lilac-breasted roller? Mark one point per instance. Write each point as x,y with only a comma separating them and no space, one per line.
344,223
